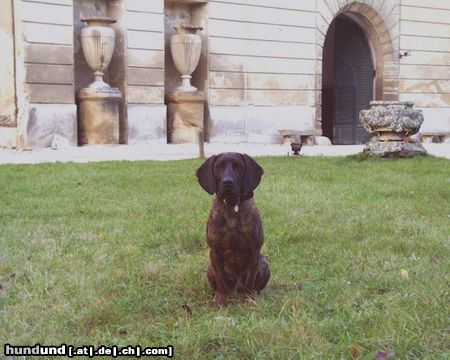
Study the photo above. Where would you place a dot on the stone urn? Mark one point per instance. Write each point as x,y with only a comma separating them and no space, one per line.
98,104
393,122
97,41
186,47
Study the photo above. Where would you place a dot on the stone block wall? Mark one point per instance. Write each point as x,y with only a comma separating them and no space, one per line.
261,66
145,70
49,70
425,71
8,107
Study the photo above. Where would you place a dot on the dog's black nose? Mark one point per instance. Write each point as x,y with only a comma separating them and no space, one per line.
227,181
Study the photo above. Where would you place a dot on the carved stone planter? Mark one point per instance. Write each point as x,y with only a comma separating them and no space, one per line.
97,41
393,122
186,47
98,121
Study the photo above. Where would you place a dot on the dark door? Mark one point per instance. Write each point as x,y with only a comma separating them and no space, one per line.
351,88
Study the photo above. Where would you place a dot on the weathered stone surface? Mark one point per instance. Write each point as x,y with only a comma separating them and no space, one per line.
145,94
147,123
145,40
8,121
436,120
98,116
145,76
46,120
48,33
60,142
145,21
391,120
240,80
145,58
264,15
258,124
185,116
46,13
434,100
8,137
322,140
400,149
49,74
48,54
51,93
7,85
251,64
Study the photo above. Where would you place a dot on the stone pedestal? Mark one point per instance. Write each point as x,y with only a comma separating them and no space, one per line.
398,149
393,123
98,121
185,116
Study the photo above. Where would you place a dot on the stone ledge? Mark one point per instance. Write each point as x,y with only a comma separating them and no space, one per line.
305,137
398,149
112,94
185,97
434,137
188,1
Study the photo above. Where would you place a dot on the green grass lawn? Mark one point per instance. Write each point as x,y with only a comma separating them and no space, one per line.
111,253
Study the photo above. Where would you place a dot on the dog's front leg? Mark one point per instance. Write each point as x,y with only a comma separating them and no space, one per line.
217,263
250,279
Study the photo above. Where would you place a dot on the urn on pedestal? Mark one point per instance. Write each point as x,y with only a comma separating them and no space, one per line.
186,46
97,41
393,122
185,105
99,102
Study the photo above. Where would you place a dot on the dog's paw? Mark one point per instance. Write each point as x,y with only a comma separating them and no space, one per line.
220,300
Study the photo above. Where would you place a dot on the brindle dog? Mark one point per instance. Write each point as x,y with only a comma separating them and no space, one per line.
234,232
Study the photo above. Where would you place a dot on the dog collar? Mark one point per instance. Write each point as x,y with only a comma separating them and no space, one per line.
241,198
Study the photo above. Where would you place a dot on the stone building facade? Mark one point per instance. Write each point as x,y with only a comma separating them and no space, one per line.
266,65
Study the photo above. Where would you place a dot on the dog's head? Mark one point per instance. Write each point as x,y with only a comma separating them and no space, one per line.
229,175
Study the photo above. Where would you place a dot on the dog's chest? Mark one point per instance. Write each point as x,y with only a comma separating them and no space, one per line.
237,246
232,235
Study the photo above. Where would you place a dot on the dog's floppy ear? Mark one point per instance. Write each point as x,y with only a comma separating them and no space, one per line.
205,175
253,173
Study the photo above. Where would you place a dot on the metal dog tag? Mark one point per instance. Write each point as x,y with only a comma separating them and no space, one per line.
236,208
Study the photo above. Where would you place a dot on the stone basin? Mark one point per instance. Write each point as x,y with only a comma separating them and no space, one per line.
391,120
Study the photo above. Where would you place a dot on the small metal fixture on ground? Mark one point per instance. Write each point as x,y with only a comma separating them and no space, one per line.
296,147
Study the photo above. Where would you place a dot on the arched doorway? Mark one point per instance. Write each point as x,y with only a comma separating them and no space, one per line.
347,81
